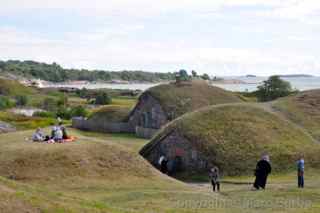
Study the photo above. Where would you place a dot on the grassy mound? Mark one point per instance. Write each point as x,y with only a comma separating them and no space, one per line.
235,136
136,190
13,88
177,99
112,113
304,110
86,158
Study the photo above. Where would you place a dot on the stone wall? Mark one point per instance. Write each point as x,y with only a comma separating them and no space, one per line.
145,132
101,126
148,113
145,120
174,145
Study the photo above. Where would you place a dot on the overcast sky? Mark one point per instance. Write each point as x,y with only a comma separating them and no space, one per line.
220,37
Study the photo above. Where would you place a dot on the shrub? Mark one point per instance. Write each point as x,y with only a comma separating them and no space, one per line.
103,98
64,113
79,111
44,114
182,75
205,76
63,100
5,103
21,100
83,93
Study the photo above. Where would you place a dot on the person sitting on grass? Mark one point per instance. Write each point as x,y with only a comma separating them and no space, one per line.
263,169
57,134
300,168
38,136
64,131
214,177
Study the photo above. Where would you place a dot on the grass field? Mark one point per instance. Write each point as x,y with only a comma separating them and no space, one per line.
302,109
103,173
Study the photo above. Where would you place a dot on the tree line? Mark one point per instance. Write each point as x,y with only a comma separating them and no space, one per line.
55,73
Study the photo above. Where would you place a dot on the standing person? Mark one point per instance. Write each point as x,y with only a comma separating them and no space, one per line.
263,169
300,168
163,164
214,177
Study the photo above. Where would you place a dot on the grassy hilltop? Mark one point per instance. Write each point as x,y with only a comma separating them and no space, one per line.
112,114
177,99
13,88
234,136
303,109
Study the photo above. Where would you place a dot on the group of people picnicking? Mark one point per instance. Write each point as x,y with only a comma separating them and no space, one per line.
261,172
58,134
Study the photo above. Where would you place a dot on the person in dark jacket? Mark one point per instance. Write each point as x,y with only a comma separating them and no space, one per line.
263,169
163,161
214,177
64,131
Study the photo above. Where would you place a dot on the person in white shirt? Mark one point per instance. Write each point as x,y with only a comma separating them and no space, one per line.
38,136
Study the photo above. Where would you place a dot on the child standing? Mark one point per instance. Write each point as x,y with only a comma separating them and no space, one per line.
215,178
300,168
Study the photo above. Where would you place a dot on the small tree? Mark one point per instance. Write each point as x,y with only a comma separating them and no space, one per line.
273,88
205,76
5,102
182,75
103,98
79,111
194,73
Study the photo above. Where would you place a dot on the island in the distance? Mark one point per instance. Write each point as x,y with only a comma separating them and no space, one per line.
297,76
251,76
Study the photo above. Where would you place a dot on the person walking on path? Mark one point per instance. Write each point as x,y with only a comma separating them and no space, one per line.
300,168
263,169
214,177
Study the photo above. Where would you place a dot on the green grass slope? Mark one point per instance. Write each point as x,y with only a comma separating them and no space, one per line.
235,136
177,99
13,88
112,113
22,122
302,109
23,160
132,187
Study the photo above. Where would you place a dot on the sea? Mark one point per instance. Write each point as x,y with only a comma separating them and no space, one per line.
248,84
